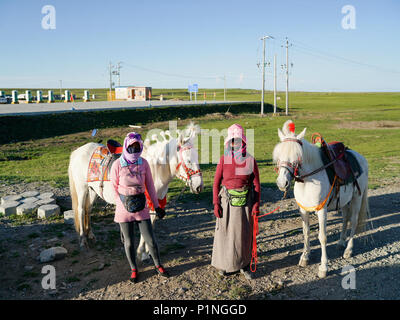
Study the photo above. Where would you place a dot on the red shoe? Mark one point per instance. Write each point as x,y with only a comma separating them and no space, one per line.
133,277
161,271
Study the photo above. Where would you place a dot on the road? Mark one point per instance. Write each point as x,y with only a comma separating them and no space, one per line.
46,108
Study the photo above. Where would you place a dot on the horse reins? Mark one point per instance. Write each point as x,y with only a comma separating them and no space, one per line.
297,164
300,178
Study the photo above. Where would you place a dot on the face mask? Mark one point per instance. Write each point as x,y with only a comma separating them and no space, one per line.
133,149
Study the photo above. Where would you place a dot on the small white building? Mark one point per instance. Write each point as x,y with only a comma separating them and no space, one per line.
133,93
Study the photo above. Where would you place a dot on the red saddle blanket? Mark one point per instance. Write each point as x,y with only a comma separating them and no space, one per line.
98,165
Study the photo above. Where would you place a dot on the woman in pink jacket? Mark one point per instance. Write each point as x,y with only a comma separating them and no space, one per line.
131,176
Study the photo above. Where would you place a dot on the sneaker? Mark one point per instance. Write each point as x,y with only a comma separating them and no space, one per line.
134,275
247,274
161,271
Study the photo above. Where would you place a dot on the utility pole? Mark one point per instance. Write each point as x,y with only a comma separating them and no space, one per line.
274,83
60,88
287,76
118,73
110,70
263,73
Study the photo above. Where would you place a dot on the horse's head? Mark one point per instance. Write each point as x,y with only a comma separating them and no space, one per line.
288,154
188,168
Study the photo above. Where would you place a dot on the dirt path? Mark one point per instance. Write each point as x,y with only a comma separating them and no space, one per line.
185,238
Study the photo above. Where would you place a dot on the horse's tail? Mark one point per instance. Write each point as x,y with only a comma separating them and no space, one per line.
364,214
74,196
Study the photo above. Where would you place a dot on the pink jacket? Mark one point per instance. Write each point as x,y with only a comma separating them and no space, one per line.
129,180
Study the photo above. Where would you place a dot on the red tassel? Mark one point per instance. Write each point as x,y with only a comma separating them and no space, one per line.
291,127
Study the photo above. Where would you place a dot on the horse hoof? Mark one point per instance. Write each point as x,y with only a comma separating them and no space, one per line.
341,245
91,236
145,256
83,243
322,273
347,254
303,263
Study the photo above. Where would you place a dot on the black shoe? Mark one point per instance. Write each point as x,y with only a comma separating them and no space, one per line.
161,271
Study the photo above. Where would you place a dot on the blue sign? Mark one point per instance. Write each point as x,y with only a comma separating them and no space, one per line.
194,88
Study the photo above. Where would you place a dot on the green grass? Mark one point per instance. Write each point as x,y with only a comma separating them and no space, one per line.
335,115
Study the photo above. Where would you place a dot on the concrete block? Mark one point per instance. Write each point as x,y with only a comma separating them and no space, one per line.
42,202
8,208
12,197
29,194
46,195
29,200
27,208
69,217
48,210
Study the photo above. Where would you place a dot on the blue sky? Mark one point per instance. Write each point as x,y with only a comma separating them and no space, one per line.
170,44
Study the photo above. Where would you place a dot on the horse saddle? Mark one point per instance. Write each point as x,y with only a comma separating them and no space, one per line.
345,165
337,151
102,159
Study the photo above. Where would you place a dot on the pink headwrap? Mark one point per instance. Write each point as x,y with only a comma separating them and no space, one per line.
130,139
235,131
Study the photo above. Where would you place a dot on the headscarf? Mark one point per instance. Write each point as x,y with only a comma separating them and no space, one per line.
128,153
235,131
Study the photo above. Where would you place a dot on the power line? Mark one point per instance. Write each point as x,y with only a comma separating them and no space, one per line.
323,54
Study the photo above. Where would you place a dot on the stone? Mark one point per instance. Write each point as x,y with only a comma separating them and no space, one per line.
28,268
9,208
51,254
69,217
42,202
12,197
29,194
48,210
26,208
30,199
46,195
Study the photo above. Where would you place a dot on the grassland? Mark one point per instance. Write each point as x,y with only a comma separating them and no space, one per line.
366,122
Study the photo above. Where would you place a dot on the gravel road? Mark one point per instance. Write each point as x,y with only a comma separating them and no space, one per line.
185,238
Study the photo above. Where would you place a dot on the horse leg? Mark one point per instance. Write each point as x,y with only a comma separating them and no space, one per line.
92,196
354,210
141,250
306,232
82,198
323,268
343,234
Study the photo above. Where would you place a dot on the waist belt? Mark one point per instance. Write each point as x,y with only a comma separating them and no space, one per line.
237,198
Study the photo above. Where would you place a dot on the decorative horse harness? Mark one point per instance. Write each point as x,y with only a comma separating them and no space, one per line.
189,172
293,169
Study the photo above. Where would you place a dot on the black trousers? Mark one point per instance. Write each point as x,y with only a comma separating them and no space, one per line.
128,233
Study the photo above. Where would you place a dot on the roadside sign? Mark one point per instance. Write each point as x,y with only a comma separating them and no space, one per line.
193,88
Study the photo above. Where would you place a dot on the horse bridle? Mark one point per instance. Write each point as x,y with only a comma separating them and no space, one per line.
297,164
189,172
291,167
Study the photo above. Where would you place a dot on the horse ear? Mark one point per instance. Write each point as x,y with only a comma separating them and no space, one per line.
301,134
181,139
281,135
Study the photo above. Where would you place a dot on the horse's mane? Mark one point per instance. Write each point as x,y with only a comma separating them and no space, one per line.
156,151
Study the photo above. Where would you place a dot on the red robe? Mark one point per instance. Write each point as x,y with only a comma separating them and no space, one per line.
235,175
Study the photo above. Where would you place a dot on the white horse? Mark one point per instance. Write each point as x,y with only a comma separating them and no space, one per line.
172,157
295,156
